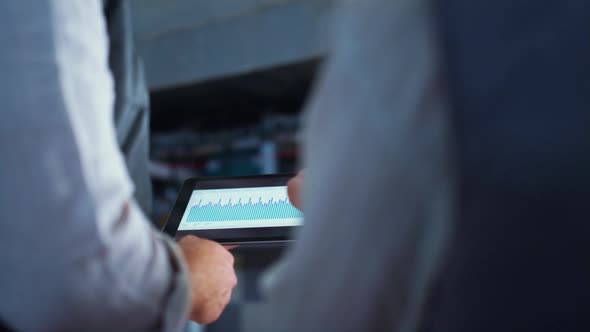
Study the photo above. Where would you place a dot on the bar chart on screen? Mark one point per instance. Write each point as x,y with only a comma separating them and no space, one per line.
240,207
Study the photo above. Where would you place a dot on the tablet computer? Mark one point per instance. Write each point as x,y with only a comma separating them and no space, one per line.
235,210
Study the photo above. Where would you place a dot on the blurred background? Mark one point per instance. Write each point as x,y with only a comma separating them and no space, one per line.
227,83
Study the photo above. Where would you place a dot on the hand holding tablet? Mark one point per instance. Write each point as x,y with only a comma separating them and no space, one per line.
243,210
212,277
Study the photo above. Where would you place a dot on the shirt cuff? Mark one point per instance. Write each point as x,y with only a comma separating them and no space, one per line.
176,304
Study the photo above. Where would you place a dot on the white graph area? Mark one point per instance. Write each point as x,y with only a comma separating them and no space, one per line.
235,194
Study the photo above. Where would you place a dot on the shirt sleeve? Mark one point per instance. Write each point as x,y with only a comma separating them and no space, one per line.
378,187
76,252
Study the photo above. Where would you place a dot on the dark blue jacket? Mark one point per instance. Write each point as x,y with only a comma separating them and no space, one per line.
519,76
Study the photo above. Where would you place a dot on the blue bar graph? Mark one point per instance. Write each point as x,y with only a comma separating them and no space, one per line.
257,210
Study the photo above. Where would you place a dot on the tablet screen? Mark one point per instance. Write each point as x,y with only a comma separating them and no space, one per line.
227,208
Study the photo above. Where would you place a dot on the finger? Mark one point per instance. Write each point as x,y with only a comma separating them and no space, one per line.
294,189
231,246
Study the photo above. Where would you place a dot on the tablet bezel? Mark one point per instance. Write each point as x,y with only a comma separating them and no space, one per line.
231,235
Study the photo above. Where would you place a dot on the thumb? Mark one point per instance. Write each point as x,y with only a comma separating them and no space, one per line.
295,190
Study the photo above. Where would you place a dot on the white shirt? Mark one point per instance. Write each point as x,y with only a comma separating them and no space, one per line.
76,253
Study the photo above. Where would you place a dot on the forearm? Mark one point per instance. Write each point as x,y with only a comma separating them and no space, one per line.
61,278
137,280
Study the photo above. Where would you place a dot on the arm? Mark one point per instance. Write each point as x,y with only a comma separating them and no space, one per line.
377,191
76,252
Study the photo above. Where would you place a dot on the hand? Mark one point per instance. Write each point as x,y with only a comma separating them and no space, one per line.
212,277
295,190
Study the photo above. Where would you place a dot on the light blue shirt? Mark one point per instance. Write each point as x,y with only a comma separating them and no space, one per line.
76,253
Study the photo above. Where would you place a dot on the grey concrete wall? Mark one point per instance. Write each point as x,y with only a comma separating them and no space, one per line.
184,41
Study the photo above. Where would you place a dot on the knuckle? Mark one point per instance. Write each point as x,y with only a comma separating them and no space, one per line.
234,280
210,244
208,314
226,300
